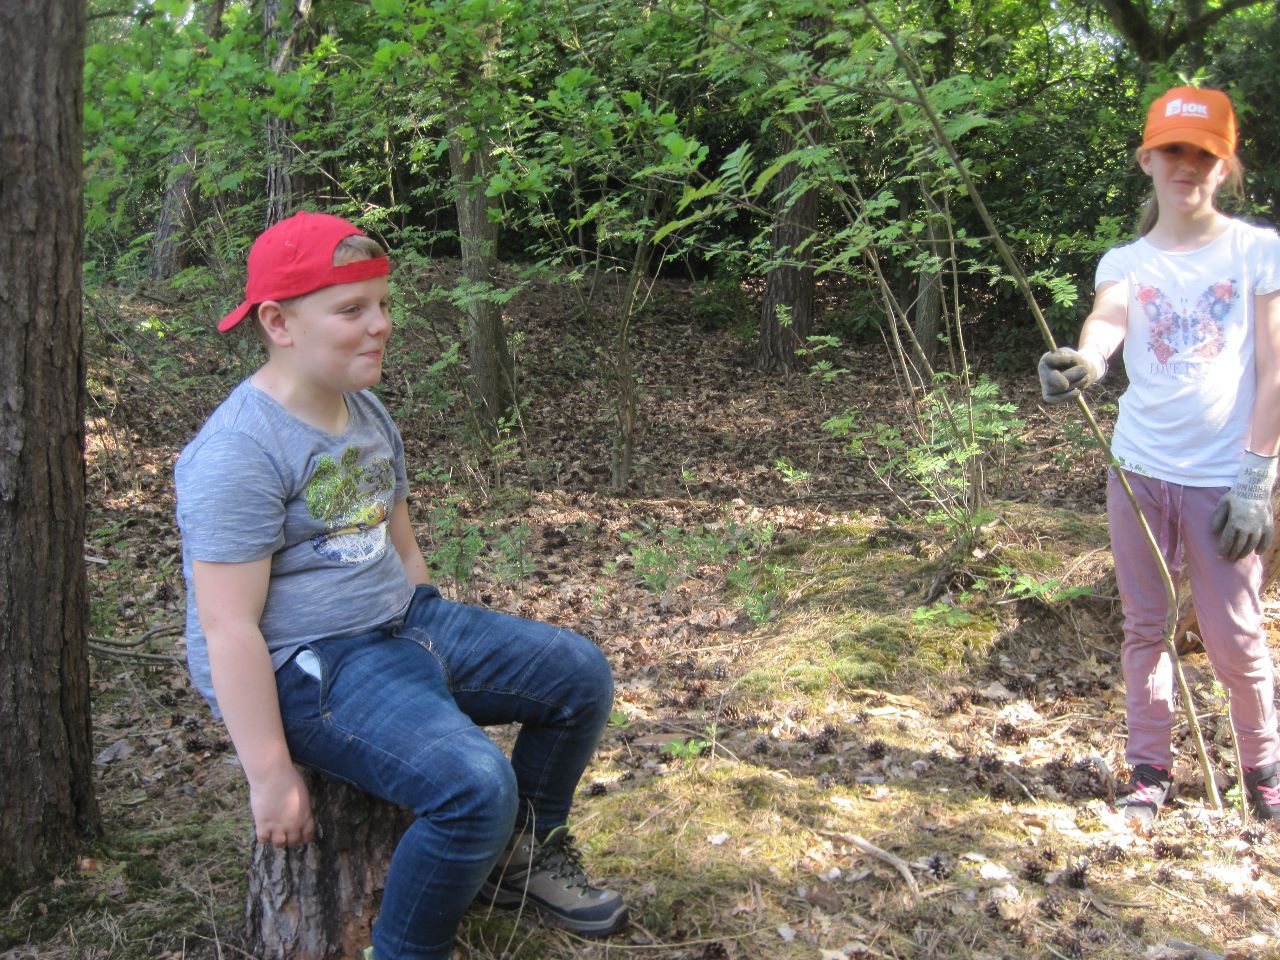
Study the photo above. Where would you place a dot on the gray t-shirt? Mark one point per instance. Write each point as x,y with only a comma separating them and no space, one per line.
256,482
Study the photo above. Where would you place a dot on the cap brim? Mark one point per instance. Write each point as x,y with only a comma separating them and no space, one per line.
1215,144
234,317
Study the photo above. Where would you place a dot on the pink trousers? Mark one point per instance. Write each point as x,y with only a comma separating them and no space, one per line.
1227,605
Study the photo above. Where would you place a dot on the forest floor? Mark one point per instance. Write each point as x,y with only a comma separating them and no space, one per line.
833,736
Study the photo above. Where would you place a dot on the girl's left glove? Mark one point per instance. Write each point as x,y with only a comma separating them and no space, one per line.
1243,515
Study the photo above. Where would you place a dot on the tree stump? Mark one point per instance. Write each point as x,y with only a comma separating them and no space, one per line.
318,902
1186,636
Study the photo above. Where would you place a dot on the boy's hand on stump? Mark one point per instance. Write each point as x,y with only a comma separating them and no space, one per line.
1243,516
282,809
1066,373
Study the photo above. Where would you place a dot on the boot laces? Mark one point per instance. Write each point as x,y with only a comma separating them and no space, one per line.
563,861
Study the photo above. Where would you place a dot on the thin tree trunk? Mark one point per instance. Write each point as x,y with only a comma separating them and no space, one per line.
177,209
46,764
492,371
175,219
283,186
786,313
625,399
926,316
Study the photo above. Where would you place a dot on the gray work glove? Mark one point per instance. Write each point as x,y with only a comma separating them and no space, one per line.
1243,515
1067,373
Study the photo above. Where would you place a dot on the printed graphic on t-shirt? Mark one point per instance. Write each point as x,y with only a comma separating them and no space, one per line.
1182,340
353,501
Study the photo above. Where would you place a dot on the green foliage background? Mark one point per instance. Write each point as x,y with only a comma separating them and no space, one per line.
613,126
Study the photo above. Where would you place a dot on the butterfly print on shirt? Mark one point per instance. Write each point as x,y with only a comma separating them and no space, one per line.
1197,334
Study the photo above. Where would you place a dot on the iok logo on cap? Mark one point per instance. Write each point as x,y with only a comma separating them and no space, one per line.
1177,108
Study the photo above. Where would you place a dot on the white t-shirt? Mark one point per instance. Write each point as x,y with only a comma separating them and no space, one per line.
1189,353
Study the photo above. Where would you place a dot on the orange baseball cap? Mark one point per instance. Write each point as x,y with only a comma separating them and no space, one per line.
295,257
1198,116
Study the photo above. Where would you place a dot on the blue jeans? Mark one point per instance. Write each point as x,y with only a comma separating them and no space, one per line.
397,712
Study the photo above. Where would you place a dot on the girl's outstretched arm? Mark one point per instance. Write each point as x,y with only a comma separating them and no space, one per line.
1108,322
1065,372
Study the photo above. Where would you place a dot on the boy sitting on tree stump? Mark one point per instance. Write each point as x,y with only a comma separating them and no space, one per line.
315,635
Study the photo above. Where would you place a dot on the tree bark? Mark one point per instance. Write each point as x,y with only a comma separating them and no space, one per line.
926,314
177,208
319,901
927,310
175,219
786,313
47,806
283,186
492,371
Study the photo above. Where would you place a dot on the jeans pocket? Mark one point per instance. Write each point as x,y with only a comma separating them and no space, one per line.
301,685
308,663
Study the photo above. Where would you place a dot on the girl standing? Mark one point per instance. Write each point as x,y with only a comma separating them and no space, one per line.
1196,302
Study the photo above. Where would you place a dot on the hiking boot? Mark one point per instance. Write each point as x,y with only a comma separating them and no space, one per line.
548,875
1147,790
1263,785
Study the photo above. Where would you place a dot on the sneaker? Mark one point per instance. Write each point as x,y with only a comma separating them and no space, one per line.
550,878
1263,785
1147,791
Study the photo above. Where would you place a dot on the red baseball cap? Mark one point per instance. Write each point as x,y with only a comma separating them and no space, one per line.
1201,117
295,257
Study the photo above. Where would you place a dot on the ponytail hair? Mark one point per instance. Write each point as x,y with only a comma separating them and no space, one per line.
1233,185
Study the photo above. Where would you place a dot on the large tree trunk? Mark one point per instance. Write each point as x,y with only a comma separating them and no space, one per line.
46,784
492,372
318,902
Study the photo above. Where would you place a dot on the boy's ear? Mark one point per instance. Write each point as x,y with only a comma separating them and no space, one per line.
272,320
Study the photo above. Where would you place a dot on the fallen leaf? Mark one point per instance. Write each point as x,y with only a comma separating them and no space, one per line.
117,751
994,871
997,691
824,895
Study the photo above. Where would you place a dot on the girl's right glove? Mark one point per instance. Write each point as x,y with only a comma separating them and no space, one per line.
1067,373
1243,515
